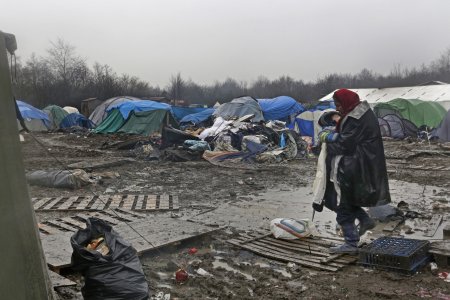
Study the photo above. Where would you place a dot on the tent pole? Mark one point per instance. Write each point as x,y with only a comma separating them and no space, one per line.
24,270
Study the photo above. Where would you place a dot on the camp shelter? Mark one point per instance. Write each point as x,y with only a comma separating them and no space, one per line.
100,112
443,131
430,91
76,120
280,108
323,105
56,115
35,119
307,123
418,112
240,107
71,109
179,112
89,105
197,118
395,127
138,117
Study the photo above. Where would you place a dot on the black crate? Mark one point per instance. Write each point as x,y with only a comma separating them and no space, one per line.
397,254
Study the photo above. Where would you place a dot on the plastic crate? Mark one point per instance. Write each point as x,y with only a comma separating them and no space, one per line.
397,254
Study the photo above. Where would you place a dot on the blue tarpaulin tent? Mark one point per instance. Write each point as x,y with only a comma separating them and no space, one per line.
198,117
75,119
322,105
181,112
35,119
280,108
142,105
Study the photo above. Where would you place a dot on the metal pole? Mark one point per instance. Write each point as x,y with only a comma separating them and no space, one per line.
23,272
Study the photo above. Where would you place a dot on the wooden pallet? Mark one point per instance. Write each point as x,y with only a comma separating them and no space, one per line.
75,222
307,252
130,202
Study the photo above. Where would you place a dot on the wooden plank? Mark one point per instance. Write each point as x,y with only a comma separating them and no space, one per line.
74,222
118,215
175,203
92,165
62,225
37,205
151,202
330,258
105,217
139,202
128,202
164,202
115,202
68,203
391,226
433,225
270,254
130,212
100,202
59,281
47,229
84,202
49,205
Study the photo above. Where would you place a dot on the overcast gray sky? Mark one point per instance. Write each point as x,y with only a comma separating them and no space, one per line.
209,40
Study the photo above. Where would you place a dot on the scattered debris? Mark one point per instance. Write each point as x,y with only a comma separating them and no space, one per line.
74,179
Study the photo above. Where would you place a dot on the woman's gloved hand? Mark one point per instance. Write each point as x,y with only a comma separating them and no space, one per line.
328,136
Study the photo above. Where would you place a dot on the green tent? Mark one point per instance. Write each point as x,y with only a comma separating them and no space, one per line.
56,115
417,111
143,122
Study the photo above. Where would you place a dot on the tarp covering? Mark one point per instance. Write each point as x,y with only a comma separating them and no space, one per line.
181,112
240,107
33,117
280,108
144,122
126,108
112,123
443,131
56,115
100,112
198,117
75,119
322,105
418,112
307,123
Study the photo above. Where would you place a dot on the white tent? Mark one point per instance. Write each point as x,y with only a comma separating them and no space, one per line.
438,93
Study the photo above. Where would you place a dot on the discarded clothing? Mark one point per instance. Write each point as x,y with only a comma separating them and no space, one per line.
59,179
196,146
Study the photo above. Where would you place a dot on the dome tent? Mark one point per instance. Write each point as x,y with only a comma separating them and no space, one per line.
35,119
100,112
56,115
393,126
76,120
443,131
280,108
240,107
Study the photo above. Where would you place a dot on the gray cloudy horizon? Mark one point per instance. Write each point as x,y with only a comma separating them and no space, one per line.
208,41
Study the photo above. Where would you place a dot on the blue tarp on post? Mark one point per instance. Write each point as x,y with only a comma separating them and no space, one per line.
75,119
30,112
180,112
280,108
198,117
126,108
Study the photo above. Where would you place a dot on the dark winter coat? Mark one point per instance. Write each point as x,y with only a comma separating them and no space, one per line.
362,173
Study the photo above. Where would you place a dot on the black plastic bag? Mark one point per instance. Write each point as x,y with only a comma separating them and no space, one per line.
117,275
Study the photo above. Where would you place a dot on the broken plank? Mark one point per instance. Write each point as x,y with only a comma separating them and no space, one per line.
119,215
92,165
47,229
175,203
151,202
128,202
115,202
279,257
330,258
392,225
139,202
84,202
74,222
103,216
130,212
49,205
68,203
61,225
164,202
433,225
58,280
100,202
37,205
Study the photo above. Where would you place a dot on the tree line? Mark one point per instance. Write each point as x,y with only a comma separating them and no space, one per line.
63,77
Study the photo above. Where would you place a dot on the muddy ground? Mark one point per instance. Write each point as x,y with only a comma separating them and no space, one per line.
242,199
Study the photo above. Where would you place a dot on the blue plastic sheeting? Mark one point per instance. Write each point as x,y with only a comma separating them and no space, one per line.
30,112
126,108
322,105
306,127
198,117
75,119
280,108
180,112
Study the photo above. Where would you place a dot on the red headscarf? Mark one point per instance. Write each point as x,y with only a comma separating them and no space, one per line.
348,100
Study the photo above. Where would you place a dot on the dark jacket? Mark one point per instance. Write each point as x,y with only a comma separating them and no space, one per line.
362,173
